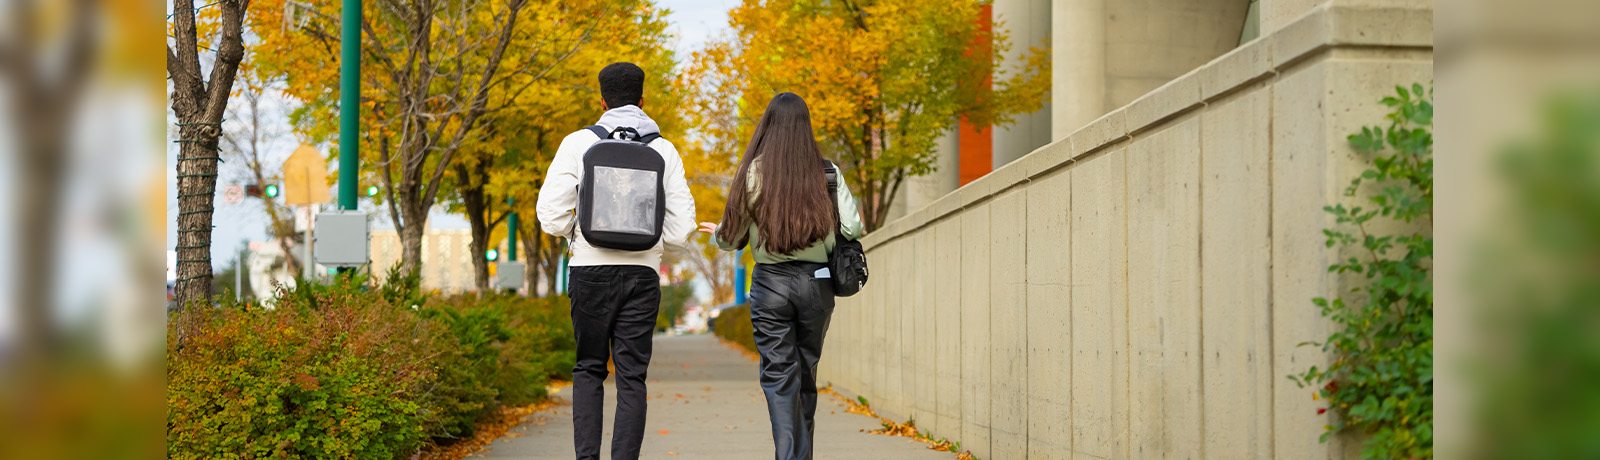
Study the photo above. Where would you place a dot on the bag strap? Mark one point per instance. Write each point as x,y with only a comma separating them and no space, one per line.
832,173
603,134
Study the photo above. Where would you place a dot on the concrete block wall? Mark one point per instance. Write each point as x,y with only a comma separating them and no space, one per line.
1137,289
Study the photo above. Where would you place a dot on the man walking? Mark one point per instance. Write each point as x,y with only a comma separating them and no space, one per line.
615,292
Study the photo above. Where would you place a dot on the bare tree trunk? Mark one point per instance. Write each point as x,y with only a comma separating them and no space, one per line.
416,221
280,220
533,244
544,255
43,105
475,202
552,262
199,105
428,141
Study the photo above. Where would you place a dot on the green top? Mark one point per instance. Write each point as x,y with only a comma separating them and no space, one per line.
849,227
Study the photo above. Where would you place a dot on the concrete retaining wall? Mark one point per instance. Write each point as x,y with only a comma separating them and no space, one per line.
1137,289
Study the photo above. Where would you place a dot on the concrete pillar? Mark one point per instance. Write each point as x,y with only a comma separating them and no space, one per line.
1078,64
1027,22
1278,13
946,176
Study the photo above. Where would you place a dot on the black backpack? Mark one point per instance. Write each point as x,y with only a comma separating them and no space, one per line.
848,262
621,199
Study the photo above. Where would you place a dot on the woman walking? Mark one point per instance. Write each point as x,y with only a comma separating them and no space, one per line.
780,206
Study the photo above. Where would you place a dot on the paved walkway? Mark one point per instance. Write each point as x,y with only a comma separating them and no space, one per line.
705,403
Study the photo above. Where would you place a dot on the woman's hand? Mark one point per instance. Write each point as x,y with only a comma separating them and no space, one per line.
708,227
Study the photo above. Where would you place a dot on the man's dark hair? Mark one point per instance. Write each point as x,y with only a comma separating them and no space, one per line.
621,84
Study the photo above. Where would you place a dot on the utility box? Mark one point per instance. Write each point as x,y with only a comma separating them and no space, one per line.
508,275
341,239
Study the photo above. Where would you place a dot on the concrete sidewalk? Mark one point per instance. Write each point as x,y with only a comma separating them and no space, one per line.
705,403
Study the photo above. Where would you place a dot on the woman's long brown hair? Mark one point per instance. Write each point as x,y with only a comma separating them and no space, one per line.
793,210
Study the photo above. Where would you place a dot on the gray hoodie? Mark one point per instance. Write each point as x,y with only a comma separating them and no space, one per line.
628,116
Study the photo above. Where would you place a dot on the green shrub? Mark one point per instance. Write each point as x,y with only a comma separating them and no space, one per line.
1381,381
467,361
733,325
341,371
501,349
338,379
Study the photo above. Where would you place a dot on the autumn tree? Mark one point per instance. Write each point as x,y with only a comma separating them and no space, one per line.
883,78
47,52
710,156
536,111
246,144
199,102
428,70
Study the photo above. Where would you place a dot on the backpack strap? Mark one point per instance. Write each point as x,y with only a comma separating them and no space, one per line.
602,133
832,173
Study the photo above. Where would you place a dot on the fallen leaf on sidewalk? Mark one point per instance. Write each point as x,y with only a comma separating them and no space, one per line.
493,427
663,432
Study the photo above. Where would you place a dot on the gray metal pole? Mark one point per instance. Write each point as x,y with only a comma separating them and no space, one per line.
309,270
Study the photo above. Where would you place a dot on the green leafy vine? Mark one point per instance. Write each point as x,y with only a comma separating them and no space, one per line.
1381,380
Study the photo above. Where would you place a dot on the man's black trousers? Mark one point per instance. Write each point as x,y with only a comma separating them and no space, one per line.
613,313
790,310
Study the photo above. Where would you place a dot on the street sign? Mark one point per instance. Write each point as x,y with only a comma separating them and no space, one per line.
233,194
305,177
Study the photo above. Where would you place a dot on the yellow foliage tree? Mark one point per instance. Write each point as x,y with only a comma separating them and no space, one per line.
883,78
527,131
537,111
432,72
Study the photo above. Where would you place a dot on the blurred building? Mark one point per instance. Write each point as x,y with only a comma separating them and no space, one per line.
446,262
1105,54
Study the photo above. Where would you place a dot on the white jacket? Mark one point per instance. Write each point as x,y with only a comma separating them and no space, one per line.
558,199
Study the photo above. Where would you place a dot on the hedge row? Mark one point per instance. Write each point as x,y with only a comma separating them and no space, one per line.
733,325
344,371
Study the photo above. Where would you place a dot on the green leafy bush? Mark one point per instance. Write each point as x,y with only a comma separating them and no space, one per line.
1381,381
341,371
503,350
733,325
341,380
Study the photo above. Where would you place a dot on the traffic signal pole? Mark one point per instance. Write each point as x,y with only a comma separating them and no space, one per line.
349,103
511,231
349,109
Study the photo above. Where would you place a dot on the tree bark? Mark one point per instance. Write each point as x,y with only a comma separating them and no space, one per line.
416,222
533,244
544,256
44,108
199,106
475,202
280,220
428,141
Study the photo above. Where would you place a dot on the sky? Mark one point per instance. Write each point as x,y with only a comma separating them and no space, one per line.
693,23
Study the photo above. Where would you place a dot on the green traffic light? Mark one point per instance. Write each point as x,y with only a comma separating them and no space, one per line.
494,254
272,190
372,190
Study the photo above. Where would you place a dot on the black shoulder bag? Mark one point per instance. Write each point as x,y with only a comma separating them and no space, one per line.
848,262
